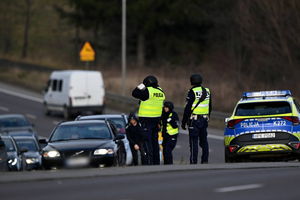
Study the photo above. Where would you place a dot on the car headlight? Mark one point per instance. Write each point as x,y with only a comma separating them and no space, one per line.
12,161
103,151
51,154
32,160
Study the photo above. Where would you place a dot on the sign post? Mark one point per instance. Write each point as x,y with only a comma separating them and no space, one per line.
87,54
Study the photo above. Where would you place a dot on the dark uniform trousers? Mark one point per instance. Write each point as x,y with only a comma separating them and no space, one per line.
150,126
143,152
169,144
198,133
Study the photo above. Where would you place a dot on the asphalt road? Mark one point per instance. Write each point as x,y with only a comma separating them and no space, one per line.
17,100
246,184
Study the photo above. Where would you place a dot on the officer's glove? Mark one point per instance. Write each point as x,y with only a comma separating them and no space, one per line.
141,86
183,126
169,119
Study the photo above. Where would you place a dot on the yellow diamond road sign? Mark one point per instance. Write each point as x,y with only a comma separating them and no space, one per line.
87,52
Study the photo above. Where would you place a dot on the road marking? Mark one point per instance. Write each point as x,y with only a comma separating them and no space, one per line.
24,96
239,188
4,109
55,122
31,116
216,137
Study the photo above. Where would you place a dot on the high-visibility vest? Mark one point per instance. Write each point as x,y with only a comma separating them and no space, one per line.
153,106
170,129
203,107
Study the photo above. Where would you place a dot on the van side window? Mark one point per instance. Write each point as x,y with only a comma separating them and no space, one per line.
60,85
54,85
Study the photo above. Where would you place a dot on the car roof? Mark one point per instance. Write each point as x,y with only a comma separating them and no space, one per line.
83,122
23,137
265,99
107,116
12,115
6,137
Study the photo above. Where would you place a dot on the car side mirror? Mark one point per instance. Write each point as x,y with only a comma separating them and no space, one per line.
2,144
119,137
43,141
227,119
23,150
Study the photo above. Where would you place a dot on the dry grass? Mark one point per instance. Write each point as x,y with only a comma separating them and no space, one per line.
175,83
28,79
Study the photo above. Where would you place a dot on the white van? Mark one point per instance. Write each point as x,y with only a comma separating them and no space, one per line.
74,92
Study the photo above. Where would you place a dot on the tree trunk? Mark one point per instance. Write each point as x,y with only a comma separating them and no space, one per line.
26,28
141,49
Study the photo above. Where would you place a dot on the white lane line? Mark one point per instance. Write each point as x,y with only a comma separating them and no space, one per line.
55,122
4,109
216,137
239,188
24,96
31,116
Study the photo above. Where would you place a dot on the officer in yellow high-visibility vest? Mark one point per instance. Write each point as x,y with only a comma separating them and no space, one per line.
196,115
151,98
169,128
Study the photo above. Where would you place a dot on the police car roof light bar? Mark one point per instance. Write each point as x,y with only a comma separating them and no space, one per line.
263,94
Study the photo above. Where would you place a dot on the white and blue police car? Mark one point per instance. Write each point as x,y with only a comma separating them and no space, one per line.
264,125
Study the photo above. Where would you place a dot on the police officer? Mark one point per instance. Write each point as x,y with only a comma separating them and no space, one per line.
196,115
136,138
169,124
151,98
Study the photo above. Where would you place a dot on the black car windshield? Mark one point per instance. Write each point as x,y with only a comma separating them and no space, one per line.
81,131
263,108
11,122
28,144
9,146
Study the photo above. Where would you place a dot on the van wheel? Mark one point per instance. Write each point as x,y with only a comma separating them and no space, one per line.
46,110
66,113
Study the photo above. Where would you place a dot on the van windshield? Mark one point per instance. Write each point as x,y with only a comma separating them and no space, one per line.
263,108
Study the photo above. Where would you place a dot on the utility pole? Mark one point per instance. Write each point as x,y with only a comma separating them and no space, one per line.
123,82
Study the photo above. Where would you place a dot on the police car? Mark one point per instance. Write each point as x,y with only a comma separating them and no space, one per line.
264,125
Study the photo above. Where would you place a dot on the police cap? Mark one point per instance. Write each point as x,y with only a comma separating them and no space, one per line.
196,79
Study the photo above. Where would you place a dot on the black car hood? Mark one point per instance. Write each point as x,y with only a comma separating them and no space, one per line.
83,144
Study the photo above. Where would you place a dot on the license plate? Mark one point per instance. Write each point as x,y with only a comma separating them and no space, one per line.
77,162
263,135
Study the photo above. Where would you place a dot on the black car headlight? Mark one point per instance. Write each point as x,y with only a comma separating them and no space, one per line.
51,154
103,151
12,161
31,160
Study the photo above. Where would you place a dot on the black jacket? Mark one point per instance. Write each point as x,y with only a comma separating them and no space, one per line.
173,122
135,134
189,103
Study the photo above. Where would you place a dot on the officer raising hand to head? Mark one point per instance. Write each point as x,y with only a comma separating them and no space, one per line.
196,116
151,98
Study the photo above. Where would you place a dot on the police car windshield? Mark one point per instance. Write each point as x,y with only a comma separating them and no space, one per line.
263,108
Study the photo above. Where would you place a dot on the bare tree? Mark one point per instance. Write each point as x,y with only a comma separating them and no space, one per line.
28,6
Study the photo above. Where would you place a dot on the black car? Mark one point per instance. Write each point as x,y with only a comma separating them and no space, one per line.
32,158
14,155
119,121
3,156
81,144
